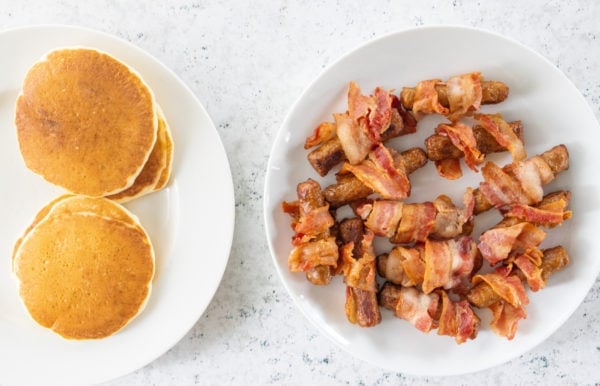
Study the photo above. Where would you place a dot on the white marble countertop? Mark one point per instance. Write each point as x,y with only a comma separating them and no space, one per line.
247,62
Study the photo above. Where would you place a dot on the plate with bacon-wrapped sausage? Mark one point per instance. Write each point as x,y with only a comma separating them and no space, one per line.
430,206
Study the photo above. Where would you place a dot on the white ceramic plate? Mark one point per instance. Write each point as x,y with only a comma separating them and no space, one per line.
552,111
190,223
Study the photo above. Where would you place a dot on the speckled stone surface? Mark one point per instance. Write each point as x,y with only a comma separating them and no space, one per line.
247,62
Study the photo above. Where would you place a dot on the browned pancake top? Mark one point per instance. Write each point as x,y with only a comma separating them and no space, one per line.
83,272
85,121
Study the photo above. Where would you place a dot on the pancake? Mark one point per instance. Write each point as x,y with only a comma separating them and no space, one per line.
69,203
84,267
155,174
166,171
85,121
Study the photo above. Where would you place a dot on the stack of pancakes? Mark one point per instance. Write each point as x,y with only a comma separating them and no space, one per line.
89,123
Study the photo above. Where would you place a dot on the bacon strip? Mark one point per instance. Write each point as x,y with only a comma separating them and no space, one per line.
464,94
426,99
532,174
439,147
449,168
551,211
379,173
353,137
469,204
438,265
361,271
505,319
499,187
317,221
457,319
416,223
462,137
383,217
524,253
380,116
353,127
403,266
496,244
453,141
321,134
359,105
508,311
309,255
537,216
530,265
509,288
417,308
503,133
448,262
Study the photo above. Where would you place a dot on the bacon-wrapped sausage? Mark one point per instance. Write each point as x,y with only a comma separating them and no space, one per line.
462,137
519,182
410,304
550,212
381,173
349,188
358,266
519,232
440,147
405,223
498,243
429,311
315,250
369,121
456,140
447,264
554,259
511,307
459,96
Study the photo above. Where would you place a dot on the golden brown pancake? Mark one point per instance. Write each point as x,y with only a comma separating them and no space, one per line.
77,203
166,172
85,121
84,268
155,174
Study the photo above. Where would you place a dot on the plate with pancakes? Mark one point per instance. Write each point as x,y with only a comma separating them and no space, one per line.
109,253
